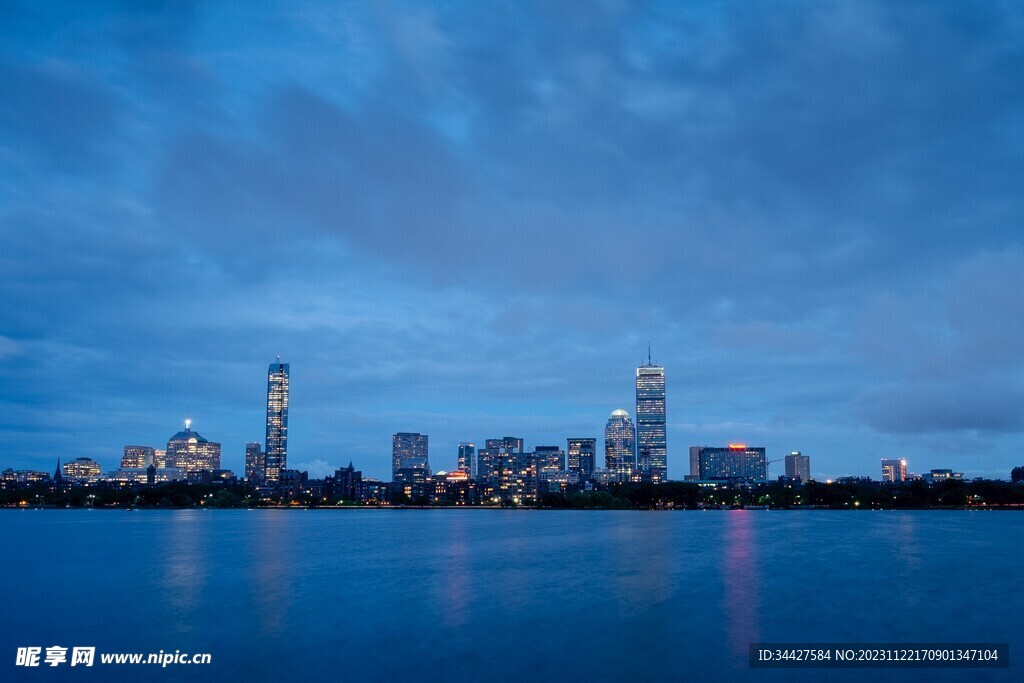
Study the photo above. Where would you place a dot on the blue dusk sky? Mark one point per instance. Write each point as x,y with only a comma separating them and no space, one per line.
467,219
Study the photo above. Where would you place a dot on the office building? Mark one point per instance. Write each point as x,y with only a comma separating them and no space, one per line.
582,455
495,458
651,447
550,459
414,470
137,457
347,483
255,462
620,445
467,459
695,452
894,470
404,447
275,454
798,466
188,451
940,475
81,469
736,463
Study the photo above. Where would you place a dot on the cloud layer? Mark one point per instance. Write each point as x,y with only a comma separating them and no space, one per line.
468,221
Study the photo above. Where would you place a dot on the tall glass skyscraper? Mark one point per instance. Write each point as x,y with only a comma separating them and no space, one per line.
275,458
467,458
620,445
406,446
651,451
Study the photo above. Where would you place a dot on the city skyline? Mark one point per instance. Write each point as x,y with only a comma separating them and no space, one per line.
455,220
622,445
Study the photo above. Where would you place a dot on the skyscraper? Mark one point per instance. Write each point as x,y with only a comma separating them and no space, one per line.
620,445
404,447
467,458
651,450
275,457
894,469
582,457
798,465
254,462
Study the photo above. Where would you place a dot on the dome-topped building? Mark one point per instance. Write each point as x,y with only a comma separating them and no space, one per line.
620,444
190,452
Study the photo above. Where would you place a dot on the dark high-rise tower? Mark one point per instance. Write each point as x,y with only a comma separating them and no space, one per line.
276,445
582,455
406,447
651,451
254,462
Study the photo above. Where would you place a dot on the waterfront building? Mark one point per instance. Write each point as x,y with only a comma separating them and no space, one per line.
798,466
558,482
188,451
347,482
143,475
651,446
550,459
467,459
255,462
582,457
496,460
1017,475
736,462
275,458
695,452
936,476
894,470
137,457
406,446
81,469
18,477
414,470
620,445
604,476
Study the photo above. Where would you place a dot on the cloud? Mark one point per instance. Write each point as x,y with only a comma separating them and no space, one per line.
317,469
468,218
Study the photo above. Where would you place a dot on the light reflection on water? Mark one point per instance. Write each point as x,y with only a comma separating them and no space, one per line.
741,569
501,595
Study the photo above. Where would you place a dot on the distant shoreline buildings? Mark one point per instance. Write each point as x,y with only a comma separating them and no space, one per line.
502,472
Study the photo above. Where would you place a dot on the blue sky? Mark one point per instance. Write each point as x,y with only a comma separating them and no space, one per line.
467,219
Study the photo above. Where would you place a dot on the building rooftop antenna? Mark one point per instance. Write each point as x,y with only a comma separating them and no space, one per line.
648,351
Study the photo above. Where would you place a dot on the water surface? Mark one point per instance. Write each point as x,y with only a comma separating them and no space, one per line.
432,595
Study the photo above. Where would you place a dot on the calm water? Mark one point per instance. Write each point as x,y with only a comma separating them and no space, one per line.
433,595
